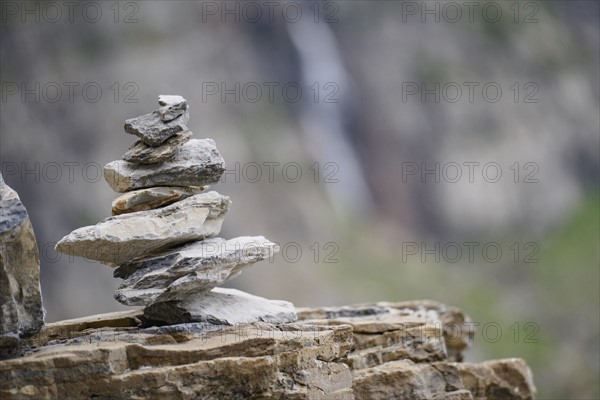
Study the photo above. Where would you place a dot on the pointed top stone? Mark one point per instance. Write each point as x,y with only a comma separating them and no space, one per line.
172,106
171,100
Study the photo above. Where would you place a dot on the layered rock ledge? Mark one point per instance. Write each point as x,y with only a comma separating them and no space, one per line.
373,351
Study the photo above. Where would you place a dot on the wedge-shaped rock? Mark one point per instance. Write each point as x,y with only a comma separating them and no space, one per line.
120,239
141,153
221,306
197,163
152,130
195,267
151,198
21,311
171,107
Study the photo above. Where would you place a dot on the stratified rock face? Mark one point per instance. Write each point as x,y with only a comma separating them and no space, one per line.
21,310
152,130
195,267
197,163
172,106
122,238
382,351
394,319
403,379
141,153
221,306
150,198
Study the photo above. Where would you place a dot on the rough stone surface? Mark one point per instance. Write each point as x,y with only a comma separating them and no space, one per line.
122,238
221,306
141,153
171,107
197,163
122,356
21,310
152,130
195,267
393,319
151,198
403,379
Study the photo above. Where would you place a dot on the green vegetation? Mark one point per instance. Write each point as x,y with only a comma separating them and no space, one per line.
536,305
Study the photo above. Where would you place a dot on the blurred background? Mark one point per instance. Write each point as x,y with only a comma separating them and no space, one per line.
396,150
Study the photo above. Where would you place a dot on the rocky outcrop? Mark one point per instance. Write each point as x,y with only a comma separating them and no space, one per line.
403,379
21,310
375,351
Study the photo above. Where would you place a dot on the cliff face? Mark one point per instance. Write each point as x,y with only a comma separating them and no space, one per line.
410,350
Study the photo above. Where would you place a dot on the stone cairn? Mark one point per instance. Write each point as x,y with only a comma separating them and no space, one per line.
161,237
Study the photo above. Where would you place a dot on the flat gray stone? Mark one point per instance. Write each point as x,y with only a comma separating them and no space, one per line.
172,106
141,153
222,306
152,130
195,267
197,163
120,239
21,310
151,198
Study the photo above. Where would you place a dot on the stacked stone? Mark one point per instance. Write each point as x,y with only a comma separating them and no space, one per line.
161,238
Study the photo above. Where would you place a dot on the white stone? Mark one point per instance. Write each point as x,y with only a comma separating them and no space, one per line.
222,306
